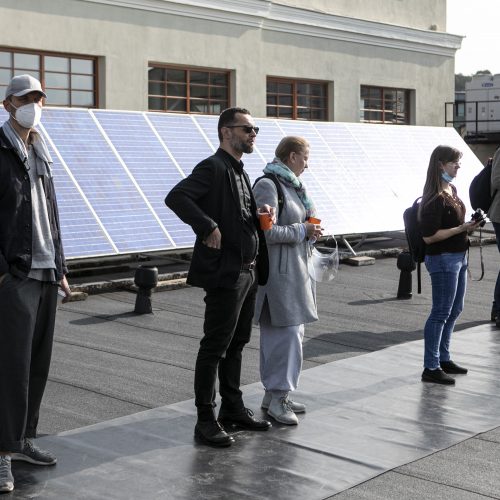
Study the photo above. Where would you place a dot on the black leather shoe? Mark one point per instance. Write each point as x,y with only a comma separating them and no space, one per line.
494,314
451,367
212,433
243,419
437,377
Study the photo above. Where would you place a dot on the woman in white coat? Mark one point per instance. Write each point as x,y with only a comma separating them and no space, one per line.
288,300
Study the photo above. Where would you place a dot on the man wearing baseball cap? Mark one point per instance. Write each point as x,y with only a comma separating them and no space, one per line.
32,266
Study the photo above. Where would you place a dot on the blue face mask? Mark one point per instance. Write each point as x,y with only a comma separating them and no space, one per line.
447,177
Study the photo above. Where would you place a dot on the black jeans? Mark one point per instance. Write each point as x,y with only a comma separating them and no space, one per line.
27,319
227,328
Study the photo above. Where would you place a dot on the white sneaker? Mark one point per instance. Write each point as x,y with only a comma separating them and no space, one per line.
6,478
281,411
295,407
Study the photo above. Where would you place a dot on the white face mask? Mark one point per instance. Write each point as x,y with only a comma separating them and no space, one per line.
29,115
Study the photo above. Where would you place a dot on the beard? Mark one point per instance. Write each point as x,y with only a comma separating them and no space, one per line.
240,146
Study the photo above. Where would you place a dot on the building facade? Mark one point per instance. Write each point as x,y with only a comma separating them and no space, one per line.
389,61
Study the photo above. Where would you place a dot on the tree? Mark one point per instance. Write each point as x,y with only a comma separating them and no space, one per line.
460,81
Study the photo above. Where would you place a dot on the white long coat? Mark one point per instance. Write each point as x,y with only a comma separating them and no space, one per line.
290,292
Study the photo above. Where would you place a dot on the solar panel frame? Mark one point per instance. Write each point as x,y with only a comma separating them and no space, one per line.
360,176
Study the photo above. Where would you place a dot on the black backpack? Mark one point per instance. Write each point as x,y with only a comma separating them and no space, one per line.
416,244
281,198
480,189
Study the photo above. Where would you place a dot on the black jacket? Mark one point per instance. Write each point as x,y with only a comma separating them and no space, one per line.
206,199
16,234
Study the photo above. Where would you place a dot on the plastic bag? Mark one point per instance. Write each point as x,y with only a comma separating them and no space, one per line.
323,263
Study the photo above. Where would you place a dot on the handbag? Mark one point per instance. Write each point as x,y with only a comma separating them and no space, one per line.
323,262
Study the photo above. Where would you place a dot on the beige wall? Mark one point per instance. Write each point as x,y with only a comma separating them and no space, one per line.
127,39
416,14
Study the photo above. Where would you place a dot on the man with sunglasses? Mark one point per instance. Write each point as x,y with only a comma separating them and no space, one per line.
229,260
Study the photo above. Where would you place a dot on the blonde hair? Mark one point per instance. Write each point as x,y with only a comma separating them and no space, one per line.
290,144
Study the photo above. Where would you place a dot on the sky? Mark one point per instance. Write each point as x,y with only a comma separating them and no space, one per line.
479,21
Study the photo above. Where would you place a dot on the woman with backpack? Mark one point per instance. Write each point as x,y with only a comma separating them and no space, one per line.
288,300
445,232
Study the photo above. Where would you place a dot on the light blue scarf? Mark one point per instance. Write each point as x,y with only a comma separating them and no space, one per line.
278,168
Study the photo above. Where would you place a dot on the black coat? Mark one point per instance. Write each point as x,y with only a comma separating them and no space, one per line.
16,235
206,199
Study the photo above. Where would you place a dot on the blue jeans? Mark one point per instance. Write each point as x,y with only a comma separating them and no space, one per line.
496,296
448,273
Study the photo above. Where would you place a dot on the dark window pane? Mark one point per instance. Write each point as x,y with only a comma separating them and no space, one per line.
388,117
5,59
285,112
389,105
375,116
82,82
60,64
199,91
365,91
389,94
318,114
27,61
303,88
84,66
285,88
303,100
57,97
156,88
318,102
156,104
81,98
303,114
272,99
218,79
156,74
375,93
177,105
175,89
198,77
218,93
216,108
310,89
175,75
56,80
272,87
318,90
198,106
285,100
272,111
5,77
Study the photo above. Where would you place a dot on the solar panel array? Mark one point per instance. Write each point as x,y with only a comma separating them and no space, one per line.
112,170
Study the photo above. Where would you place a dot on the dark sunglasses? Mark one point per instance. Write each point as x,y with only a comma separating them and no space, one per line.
247,128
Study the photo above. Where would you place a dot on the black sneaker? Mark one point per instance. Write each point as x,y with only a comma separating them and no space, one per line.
211,433
437,377
243,419
34,455
451,367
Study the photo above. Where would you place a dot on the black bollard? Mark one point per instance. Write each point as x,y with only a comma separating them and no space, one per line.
146,278
406,265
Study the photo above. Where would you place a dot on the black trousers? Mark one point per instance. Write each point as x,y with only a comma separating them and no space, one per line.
227,328
27,319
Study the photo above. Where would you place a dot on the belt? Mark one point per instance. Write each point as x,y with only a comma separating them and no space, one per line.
248,266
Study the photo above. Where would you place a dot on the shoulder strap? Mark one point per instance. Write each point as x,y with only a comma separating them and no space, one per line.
279,190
